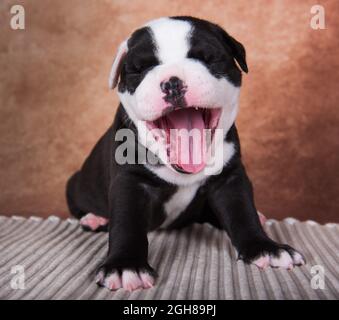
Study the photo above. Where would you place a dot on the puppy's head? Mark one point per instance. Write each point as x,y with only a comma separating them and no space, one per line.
179,73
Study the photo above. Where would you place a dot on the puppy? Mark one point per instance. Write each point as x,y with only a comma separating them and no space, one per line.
173,74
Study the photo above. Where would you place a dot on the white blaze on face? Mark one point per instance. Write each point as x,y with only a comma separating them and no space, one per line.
171,39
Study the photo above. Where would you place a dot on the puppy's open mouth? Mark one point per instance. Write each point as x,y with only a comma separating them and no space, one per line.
187,133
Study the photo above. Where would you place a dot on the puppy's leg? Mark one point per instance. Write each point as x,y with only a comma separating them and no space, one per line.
126,264
232,202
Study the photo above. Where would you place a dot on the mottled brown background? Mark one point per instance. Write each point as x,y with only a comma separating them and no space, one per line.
55,103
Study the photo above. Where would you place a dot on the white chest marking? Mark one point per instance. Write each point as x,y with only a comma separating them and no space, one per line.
179,202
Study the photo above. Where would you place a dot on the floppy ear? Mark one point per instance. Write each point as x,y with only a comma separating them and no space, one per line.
117,64
238,51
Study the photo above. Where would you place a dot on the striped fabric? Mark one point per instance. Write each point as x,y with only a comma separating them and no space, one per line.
199,262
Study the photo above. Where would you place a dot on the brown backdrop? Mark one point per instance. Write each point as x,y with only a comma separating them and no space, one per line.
55,103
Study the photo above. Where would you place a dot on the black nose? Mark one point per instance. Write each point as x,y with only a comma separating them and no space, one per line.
173,87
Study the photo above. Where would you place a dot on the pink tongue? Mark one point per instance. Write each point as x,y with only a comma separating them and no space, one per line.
187,148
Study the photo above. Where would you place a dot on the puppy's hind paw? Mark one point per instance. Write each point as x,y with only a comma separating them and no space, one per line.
92,222
262,218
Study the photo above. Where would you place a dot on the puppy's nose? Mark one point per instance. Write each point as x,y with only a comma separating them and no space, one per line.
173,87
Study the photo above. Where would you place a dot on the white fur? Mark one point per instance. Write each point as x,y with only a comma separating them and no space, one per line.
129,280
284,260
114,74
179,202
298,258
113,281
171,38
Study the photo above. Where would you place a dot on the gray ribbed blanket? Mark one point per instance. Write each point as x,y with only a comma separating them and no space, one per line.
59,260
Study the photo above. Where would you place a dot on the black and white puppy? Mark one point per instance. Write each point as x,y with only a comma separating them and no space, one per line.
172,74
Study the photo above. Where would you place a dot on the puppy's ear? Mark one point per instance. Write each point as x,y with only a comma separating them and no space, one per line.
117,64
238,51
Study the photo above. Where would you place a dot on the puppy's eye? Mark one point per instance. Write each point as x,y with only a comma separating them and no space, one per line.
217,62
138,67
208,59
214,60
132,69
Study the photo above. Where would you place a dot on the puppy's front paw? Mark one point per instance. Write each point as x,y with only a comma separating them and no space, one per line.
269,253
129,279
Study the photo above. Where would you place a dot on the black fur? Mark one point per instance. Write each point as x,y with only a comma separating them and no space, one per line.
213,46
139,60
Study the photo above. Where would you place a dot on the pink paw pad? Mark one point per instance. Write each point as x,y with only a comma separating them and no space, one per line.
262,262
131,280
147,280
93,222
113,281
